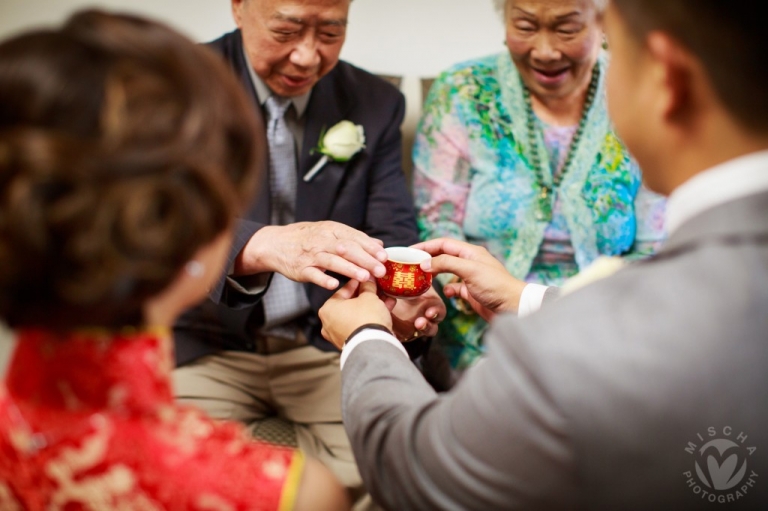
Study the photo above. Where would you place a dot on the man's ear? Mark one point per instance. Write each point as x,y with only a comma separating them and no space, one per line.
674,73
237,11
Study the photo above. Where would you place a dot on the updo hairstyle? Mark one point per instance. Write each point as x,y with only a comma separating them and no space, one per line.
124,149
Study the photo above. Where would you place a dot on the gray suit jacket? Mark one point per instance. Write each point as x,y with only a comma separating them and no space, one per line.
608,398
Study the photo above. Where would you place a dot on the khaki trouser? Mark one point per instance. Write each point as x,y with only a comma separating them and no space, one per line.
302,385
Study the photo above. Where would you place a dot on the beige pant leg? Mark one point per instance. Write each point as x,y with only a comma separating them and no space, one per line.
306,385
229,385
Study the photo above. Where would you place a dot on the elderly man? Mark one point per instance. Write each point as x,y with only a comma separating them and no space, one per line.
643,390
246,359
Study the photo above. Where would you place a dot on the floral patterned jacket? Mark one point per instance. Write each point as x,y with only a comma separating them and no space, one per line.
473,181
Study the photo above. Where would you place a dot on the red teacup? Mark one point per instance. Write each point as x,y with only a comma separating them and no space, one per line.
404,277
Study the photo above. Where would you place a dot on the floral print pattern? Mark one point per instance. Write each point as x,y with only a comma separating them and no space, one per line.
473,181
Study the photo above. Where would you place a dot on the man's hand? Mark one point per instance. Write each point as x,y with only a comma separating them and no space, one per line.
486,284
304,251
351,307
419,316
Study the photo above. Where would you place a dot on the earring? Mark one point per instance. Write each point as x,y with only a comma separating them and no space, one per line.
194,269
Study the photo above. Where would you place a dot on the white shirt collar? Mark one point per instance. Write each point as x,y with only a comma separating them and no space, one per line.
263,92
734,179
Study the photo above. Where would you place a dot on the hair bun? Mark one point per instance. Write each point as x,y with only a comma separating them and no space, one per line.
112,181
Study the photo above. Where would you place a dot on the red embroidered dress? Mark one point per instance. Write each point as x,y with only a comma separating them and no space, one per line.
88,422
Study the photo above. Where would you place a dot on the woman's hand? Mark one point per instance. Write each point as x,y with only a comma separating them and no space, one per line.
351,307
485,283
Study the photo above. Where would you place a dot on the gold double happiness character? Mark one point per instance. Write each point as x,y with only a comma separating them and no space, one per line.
404,280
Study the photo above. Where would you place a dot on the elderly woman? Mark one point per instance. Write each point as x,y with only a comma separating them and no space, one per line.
516,152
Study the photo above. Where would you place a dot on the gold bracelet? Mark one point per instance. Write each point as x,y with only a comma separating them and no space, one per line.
416,335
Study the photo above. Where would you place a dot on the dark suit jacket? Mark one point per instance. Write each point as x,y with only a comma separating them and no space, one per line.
606,399
368,193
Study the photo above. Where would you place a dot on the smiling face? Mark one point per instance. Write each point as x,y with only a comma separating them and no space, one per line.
554,44
292,43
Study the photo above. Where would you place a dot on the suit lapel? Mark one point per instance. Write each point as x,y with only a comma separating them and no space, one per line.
261,208
233,50
328,105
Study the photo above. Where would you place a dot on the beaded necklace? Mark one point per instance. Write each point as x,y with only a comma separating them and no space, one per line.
547,193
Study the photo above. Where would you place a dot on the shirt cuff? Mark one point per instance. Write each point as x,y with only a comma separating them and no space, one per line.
531,299
249,284
369,334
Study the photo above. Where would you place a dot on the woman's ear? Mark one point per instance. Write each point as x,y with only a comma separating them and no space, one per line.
192,284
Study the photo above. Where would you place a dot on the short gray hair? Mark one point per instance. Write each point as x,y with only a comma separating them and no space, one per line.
600,5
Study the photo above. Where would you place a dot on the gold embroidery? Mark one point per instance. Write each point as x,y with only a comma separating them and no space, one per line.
139,502
7,501
191,427
209,502
117,396
92,452
235,446
22,441
274,468
166,414
114,489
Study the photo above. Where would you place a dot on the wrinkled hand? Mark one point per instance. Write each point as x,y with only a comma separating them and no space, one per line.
351,307
418,316
486,283
304,251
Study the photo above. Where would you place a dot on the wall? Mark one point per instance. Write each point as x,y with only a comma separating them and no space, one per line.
419,38
409,38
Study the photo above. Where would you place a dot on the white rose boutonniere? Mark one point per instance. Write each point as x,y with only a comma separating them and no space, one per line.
602,267
340,143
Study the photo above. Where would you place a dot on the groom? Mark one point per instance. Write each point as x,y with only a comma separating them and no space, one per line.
645,390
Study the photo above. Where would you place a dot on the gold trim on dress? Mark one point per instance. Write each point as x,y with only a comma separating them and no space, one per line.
292,480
